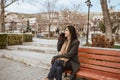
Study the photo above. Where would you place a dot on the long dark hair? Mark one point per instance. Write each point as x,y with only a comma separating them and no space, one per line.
72,32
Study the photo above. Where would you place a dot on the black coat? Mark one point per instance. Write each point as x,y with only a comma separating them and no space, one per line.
72,55
60,42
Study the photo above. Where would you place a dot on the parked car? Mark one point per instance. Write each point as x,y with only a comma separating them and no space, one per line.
39,35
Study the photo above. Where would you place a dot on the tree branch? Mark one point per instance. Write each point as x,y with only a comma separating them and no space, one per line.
10,3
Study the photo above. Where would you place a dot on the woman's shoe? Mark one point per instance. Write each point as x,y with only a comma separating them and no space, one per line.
46,79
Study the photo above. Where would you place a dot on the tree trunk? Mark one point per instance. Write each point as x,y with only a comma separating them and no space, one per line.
49,25
106,18
2,16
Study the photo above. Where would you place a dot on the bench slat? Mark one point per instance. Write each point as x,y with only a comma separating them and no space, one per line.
107,69
100,63
99,51
92,74
100,57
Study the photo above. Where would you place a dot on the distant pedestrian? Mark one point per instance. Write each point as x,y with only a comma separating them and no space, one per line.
57,31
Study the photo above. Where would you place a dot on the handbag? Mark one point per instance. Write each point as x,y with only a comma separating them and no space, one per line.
61,62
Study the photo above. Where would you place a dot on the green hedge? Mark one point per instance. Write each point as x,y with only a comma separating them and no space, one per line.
117,46
3,41
14,39
27,37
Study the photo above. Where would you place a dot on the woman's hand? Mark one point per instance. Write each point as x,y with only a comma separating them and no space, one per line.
64,59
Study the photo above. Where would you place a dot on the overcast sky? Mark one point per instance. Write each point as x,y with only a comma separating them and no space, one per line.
35,6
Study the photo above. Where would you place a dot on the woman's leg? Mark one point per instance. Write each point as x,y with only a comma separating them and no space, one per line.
60,70
68,66
59,73
53,69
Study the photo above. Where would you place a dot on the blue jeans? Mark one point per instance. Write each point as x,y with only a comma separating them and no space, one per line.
57,69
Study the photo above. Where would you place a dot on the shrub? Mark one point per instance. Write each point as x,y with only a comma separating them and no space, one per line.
3,41
14,39
27,37
102,41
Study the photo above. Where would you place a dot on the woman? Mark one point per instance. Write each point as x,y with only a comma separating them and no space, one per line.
67,58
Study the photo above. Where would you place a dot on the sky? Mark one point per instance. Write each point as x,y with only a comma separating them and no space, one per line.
36,6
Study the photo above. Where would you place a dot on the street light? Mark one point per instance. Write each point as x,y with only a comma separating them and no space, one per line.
88,2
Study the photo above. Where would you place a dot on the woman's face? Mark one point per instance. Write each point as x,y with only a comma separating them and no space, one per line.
67,33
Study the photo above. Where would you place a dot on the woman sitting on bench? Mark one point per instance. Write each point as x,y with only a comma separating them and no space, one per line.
67,58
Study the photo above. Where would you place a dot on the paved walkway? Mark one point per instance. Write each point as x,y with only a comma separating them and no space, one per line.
11,70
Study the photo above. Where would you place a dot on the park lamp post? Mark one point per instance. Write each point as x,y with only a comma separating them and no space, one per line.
88,3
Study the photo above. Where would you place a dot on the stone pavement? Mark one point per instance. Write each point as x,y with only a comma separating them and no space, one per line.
11,70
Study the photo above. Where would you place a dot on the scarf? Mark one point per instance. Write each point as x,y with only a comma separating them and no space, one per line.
64,49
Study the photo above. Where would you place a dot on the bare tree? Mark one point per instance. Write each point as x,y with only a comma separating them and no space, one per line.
50,8
106,18
4,4
9,2
2,16
71,15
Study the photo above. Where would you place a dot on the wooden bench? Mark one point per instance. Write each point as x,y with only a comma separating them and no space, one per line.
99,64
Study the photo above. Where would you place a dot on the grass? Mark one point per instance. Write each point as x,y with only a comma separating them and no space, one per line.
117,46
87,45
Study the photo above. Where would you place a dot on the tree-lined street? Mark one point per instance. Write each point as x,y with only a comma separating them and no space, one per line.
29,31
